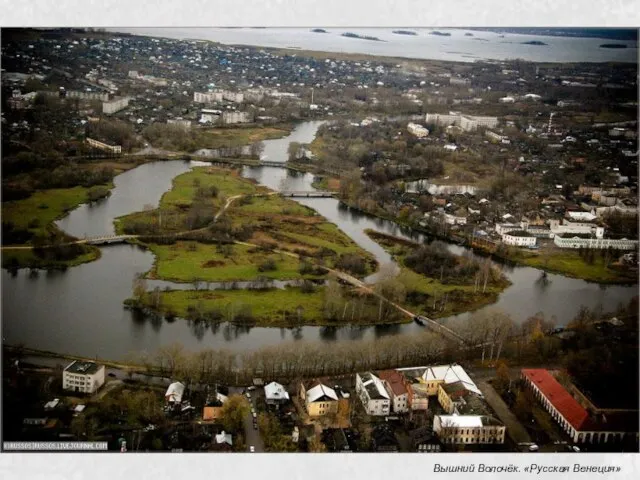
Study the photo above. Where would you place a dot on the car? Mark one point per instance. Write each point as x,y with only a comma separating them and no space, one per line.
251,388
534,448
248,395
252,449
575,448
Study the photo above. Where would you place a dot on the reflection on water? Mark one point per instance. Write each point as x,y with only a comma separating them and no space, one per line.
80,310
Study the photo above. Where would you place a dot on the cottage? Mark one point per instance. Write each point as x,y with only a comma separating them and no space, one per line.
319,399
396,385
275,394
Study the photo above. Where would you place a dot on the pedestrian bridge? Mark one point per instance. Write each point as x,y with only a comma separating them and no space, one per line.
309,194
103,240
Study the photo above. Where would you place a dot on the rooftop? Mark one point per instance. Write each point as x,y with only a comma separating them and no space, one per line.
450,374
84,368
374,387
395,380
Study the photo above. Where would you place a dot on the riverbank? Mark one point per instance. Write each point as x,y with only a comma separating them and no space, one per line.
563,262
475,287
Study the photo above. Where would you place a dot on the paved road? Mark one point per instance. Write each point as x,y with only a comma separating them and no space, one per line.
251,435
515,430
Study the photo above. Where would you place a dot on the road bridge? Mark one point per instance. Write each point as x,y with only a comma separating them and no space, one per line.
308,194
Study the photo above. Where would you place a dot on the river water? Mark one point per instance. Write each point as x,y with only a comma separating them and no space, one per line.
80,311
457,47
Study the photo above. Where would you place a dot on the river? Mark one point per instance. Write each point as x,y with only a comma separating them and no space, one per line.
457,47
80,311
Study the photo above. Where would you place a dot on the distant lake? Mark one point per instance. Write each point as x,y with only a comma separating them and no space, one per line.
458,46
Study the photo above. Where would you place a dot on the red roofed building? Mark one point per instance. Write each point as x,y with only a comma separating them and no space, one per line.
581,425
396,386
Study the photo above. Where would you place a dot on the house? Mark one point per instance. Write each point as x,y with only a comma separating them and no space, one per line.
211,414
223,437
396,385
433,377
174,393
383,439
319,399
468,429
373,394
275,394
85,377
115,105
417,130
581,425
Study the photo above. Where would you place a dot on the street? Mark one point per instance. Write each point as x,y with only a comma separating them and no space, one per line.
252,436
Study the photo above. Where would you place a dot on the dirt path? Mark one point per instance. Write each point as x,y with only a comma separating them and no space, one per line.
515,430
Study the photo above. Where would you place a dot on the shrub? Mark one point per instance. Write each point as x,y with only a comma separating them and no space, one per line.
268,265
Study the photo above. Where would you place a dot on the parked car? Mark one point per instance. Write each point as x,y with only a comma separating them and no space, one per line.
251,388
534,448
252,449
248,395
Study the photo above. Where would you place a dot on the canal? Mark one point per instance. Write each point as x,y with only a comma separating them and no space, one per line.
80,311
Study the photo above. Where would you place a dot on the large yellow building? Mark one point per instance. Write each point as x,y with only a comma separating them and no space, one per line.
319,399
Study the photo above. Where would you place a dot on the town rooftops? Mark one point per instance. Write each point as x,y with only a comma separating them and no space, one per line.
450,374
211,413
321,392
83,368
467,421
395,380
275,391
374,386
564,403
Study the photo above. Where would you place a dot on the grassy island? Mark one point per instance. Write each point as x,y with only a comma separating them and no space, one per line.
439,283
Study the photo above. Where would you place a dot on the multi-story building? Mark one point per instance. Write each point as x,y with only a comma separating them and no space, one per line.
236,97
495,136
578,228
466,122
397,388
319,400
275,394
229,118
581,425
208,97
468,429
83,377
519,238
101,96
104,146
573,240
373,394
115,105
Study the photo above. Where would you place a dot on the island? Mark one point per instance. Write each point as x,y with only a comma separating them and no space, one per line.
404,32
441,34
468,34
318,30
361,37
613,45
533,42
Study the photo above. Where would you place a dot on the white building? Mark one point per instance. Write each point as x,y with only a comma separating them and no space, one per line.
417,130
398,390
519,238
495,136
468,429
104,146
275,394
373,394
507,100
579,228
502,228
568,240
233,96
84,377
115,105
208,97
585,216
103,97
174,393
466,122
229,118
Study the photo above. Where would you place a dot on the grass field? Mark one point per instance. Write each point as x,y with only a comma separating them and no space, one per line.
38,212
569,263
239,136
268,307
186,261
